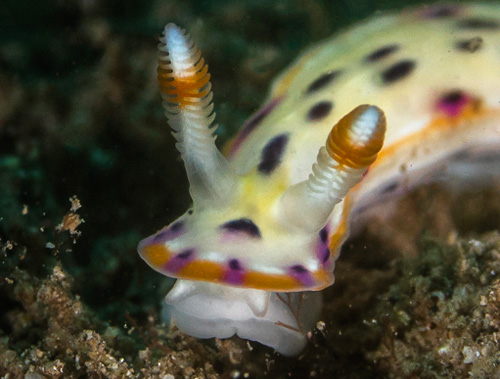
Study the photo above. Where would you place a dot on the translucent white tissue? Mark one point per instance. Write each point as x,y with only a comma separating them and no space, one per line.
278,320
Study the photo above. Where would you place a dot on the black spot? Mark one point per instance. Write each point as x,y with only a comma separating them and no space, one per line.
319,110
389,188
299,269
326,255
190,212
442,11
470,45
176,226
272,153
235,264
323,235
452,97
475,23
490,157
244,225
185,254
381,53
322,81
462,155
398,71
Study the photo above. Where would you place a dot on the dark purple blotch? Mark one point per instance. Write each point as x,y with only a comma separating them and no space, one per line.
299,269
185,254
302,274
242,225
323,235
235,272
271,154
160,237
180,260
398,71
319,110
322,81
322,249
325,255
169,233
235,264
177,226
441,11
381,53
453,102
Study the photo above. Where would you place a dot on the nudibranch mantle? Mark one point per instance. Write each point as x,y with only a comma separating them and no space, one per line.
268,219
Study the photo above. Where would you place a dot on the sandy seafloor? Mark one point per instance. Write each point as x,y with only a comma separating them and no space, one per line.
83,138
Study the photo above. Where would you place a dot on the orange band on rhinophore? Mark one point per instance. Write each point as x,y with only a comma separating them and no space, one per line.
348,152
187,89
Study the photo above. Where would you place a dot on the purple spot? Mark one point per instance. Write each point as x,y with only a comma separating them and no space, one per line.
243,225
326,255
160,236
235,272
272,153
441,11
254,121
452,103
177,226
319,110
299,269
179,261
323,235
322,249
185,254
175,230
168,233
302,274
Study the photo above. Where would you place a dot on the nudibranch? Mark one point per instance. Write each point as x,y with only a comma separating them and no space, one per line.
269,217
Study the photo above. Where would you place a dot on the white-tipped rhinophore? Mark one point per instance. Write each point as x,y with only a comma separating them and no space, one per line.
187,98
351,147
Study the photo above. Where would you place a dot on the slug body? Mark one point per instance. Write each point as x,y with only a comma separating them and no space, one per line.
269,217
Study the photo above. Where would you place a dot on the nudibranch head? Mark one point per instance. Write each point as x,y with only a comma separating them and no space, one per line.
244,230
